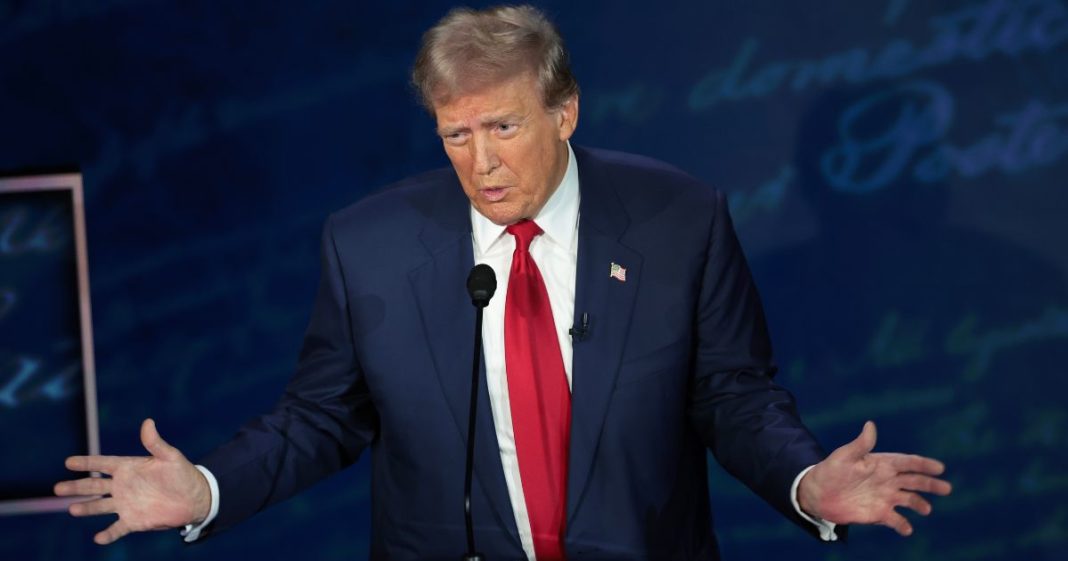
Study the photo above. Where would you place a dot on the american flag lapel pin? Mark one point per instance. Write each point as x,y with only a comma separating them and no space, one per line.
618,272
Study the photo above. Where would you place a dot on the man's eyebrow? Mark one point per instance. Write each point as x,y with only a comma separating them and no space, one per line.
490,121
497,119
445,131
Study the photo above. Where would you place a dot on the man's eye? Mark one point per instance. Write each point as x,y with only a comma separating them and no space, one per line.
506,128
454,138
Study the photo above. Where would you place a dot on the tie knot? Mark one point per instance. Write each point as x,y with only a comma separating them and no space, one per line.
524,232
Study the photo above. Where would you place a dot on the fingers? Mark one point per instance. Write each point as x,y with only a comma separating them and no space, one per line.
83,487
862,444
112,533
910,463
924,484
155,444
913,501
93,507
103,464
867,436
898,523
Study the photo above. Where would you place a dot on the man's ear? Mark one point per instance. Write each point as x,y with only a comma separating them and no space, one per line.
567,114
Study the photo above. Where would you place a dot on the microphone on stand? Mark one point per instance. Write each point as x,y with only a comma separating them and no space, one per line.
481,284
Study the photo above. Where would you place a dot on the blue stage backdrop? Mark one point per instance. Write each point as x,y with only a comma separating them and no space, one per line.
897,171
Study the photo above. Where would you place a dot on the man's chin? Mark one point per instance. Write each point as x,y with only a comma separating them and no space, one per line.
501,214
505,219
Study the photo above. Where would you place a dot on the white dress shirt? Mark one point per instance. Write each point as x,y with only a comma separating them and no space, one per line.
555,252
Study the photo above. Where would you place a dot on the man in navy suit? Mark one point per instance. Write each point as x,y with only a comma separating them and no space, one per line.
652,348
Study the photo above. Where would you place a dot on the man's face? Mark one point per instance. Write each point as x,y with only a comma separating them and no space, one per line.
508,150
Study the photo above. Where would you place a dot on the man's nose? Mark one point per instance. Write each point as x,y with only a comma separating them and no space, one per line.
486,159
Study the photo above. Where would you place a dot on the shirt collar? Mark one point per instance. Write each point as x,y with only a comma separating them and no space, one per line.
558,219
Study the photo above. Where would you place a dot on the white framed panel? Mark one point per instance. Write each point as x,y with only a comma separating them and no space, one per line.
48,406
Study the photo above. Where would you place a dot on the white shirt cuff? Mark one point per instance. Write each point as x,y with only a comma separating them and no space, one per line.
191,533
825,528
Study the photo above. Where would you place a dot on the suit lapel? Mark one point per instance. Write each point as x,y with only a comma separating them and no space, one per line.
448,319
609,304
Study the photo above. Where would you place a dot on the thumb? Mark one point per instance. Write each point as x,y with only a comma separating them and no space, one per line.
155,444
864,443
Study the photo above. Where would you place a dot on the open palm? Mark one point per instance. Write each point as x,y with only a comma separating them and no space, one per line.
164,490
856,486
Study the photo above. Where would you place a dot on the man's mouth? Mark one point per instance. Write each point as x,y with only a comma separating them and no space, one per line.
493,194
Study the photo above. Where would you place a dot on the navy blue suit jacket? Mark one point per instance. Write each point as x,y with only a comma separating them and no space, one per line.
677,361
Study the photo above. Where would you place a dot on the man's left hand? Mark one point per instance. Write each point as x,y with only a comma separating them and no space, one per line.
855,486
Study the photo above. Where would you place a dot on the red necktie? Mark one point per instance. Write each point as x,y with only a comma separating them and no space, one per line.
539,395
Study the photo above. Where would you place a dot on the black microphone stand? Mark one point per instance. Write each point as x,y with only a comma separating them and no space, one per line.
471,554
481,284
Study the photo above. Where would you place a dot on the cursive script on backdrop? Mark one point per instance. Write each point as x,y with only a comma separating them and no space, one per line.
915,121
973,33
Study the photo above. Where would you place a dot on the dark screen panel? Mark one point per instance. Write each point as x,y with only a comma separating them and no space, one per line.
42,401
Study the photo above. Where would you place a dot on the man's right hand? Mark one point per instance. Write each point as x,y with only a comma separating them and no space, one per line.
157,492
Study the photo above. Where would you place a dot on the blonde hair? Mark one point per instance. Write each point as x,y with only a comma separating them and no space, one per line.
471,49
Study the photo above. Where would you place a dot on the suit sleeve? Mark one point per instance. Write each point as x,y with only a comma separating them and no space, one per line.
323,421
750,423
